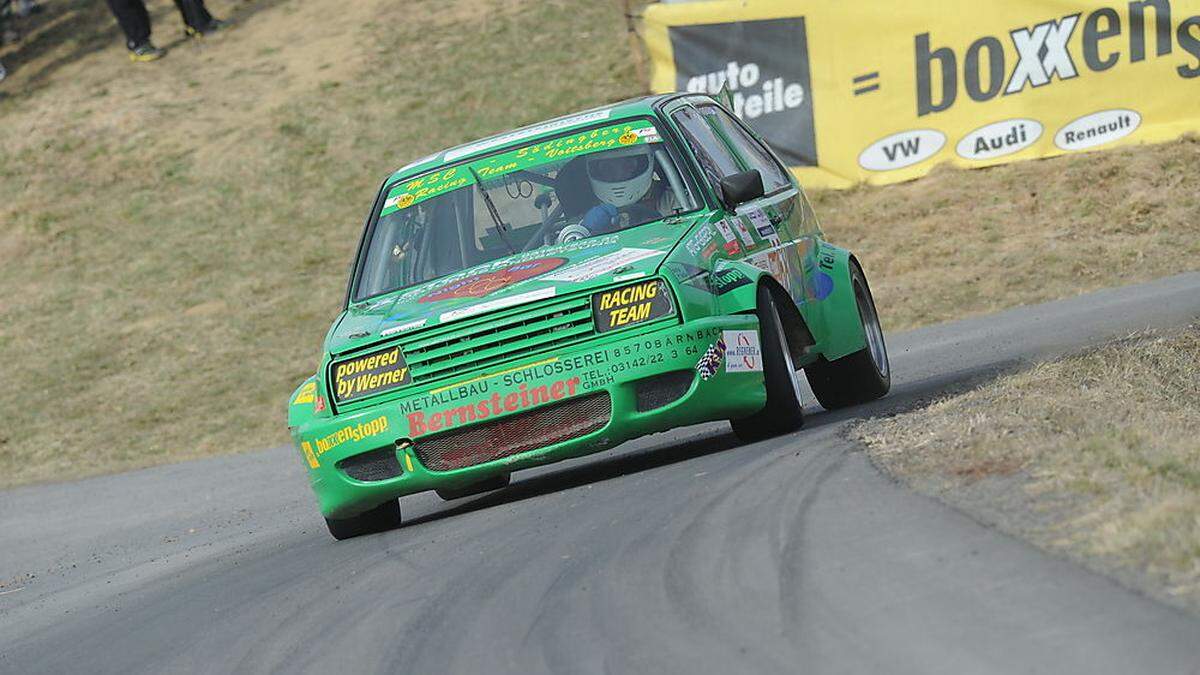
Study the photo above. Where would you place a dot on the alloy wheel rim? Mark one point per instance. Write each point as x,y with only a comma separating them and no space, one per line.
874,332
793,374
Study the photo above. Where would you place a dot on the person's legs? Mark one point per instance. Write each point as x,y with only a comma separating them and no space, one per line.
133,19
194,13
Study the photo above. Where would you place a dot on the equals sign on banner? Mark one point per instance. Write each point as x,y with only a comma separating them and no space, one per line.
864,84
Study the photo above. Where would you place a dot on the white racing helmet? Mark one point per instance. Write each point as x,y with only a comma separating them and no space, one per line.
622,176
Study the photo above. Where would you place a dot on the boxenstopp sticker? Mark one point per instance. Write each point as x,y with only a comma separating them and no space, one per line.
743,353
726,280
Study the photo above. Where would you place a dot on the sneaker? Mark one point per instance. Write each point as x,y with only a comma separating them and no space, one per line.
212,27
3,72
146,52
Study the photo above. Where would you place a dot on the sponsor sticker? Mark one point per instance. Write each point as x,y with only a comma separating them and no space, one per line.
590,269
309,455
629,305
523,398
498,303
743,353
370,374
760,221
710,363
725,229
402,327
307,393
529,132
726,280
698,241
743,233
353,432
479,285
731,243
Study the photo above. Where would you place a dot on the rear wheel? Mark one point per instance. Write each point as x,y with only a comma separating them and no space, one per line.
862,376
386,516
784,410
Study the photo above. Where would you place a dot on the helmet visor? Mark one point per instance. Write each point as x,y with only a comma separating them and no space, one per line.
619,168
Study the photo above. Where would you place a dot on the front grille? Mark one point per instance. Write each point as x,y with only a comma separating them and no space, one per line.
513,435
660,390
375,465
479,342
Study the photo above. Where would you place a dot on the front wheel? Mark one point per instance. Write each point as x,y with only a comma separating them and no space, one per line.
862,376
784,410
383,517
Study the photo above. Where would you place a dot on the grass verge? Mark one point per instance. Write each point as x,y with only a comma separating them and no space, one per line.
174,236
1094,455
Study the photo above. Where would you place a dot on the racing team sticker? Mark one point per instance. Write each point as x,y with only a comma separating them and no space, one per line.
629,305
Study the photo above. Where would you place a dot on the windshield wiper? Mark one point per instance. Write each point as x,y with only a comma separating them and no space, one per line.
501,228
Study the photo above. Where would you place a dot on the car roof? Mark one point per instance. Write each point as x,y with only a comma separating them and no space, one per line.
641,105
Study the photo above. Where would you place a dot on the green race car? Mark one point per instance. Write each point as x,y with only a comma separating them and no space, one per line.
559,289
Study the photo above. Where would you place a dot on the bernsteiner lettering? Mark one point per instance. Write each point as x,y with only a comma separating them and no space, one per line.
525,397
1042,54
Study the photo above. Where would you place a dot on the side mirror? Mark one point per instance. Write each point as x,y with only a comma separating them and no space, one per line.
739,188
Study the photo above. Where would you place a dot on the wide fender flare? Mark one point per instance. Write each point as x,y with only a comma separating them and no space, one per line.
828,309
742,296
831,311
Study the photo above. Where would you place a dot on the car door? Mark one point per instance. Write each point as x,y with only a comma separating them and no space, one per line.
779,227
781,219
716,161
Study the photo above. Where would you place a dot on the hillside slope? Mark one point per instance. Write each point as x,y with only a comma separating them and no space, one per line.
175,236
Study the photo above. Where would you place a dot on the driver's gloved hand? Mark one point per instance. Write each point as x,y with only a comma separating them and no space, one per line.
601,219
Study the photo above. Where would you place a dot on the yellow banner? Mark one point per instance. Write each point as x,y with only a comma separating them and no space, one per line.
881,91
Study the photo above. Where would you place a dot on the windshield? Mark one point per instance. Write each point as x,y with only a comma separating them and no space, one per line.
567,188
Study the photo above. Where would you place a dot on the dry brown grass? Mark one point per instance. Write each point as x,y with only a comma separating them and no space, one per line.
969,242
1100,452
174,236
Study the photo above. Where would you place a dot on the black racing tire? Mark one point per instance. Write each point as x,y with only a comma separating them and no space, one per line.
384,517
486,485
862,376
784,411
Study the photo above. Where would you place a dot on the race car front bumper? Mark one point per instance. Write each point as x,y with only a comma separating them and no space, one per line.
547,409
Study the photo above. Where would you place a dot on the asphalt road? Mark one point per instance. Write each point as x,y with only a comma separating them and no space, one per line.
680,553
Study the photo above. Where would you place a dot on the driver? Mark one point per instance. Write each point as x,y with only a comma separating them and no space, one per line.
620,178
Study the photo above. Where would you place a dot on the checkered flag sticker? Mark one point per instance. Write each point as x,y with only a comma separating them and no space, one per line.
710,363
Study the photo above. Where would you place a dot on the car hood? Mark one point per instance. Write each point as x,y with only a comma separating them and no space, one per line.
509,282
